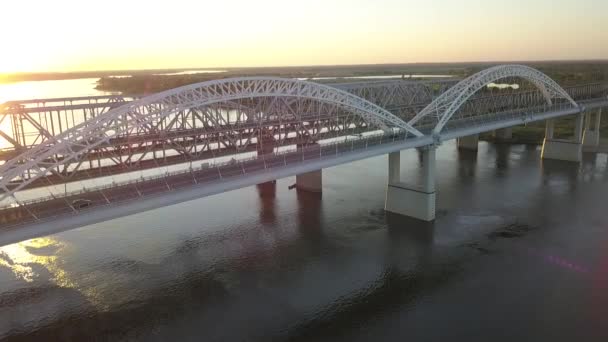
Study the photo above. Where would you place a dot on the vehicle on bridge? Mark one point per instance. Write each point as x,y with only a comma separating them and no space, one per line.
81,203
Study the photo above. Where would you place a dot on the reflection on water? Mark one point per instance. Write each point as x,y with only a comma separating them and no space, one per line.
23,258
267,192
503,153
467,164
269,263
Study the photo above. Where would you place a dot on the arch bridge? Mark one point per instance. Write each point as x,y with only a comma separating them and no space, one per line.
124,156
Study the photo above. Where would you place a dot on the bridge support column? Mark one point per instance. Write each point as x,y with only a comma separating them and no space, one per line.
310,181
413,201
563,149
591,137
503,134
579,125
265,146
549,128
468,143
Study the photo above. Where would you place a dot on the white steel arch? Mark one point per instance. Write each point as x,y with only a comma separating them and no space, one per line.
77,141
444,106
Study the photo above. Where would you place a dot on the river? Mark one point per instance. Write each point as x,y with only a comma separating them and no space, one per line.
518,252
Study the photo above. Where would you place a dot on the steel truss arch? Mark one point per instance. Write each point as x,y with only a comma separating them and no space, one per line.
74,143
444,106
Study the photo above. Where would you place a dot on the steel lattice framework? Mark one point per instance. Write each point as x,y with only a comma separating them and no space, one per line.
32,122
443,108
404,98
28,123
398,93
144,117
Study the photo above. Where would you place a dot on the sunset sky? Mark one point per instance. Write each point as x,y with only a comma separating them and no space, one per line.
71,35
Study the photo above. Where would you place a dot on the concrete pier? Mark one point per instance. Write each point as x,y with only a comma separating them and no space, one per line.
591,136
266,146
417,201
563,149
504,134
591,139
468,143
310,181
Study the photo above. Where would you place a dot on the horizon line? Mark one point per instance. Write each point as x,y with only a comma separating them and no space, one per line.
234,68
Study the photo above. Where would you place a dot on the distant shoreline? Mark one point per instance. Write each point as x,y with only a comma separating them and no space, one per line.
456,68
59,76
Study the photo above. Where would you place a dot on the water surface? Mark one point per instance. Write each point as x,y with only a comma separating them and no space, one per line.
49,89
518,252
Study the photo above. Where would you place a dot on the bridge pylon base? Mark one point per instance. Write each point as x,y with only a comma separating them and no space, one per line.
468,143
565,150
591,135
403,199
310,181
591,138
407,200
503,134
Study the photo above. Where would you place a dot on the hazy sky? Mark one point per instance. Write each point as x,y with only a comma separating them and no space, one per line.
66,35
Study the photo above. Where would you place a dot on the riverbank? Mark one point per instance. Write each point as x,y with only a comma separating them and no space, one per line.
573,72
138,85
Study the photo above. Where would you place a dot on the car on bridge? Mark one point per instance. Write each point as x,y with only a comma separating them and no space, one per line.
81,203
